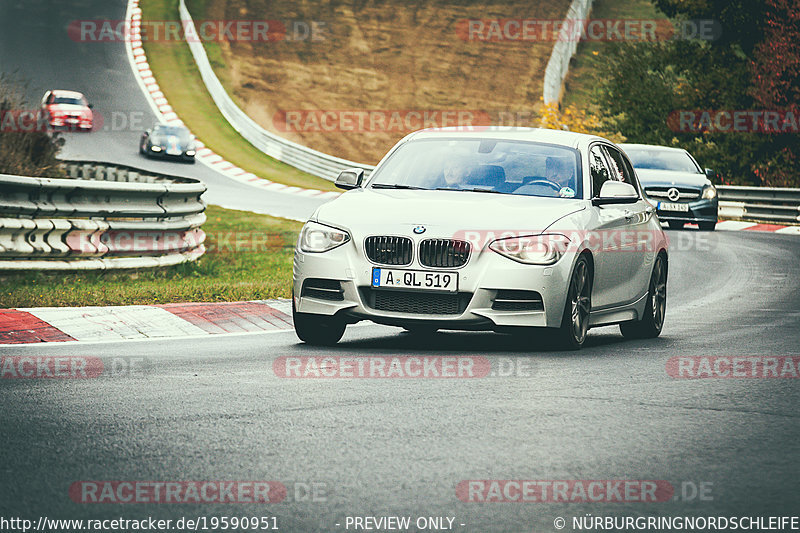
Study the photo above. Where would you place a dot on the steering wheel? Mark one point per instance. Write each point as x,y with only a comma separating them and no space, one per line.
551,184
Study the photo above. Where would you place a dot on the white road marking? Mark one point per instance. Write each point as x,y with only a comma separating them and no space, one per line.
734,225
792,230
117,322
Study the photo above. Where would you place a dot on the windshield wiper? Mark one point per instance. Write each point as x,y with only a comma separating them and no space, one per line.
396,186
492,191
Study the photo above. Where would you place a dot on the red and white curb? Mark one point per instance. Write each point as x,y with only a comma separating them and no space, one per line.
739,225
139,322
160,106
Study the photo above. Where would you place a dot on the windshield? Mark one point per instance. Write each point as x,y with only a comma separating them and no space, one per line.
68,100
678,161
178,131
483,165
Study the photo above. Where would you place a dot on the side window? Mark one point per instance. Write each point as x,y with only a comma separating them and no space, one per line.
620,167
600,172
619,171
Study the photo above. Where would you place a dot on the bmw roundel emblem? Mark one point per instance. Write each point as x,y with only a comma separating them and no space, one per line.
419,229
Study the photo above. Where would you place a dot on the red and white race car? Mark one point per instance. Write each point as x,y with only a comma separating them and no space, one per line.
67,109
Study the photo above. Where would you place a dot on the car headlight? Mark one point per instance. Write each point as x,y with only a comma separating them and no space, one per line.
532,250
155,148
189,152
709,192
316,238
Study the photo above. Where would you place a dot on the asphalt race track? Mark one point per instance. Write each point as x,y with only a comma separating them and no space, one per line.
214,409
36,49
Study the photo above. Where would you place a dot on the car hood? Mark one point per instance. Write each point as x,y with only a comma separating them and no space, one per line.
443,212
669,178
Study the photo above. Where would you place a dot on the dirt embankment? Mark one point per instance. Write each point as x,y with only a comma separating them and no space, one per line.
395,60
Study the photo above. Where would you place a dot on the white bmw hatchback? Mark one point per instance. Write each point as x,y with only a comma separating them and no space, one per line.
499,229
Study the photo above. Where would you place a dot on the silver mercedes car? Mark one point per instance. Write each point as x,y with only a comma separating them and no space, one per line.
500,229
675,184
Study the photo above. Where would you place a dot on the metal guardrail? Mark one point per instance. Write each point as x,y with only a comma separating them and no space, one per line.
306,159
103,216
565,47
759,203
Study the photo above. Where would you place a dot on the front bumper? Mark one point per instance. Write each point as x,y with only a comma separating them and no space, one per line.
70,124
183,156
699,211
479,281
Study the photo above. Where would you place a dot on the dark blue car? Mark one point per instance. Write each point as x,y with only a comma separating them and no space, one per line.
675,184
166,141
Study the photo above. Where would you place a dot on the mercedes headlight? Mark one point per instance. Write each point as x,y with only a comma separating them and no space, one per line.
532,250
709,192
316,237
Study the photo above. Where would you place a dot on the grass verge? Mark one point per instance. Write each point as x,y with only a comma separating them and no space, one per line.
174,68
249,257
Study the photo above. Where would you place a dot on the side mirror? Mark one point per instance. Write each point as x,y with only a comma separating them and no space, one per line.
350,178
90,106
616,192
710,174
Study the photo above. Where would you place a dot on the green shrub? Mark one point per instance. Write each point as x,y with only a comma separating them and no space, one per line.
24,151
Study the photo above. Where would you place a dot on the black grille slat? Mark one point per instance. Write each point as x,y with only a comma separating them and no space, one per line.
323,289
418,303
444,253
518,300
687,193
387,250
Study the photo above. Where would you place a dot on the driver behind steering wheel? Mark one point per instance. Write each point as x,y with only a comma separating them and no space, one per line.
558,181
557,172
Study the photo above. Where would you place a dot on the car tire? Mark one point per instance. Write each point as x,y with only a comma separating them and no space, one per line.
652,322
575,320
675,224
706,226
317,330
